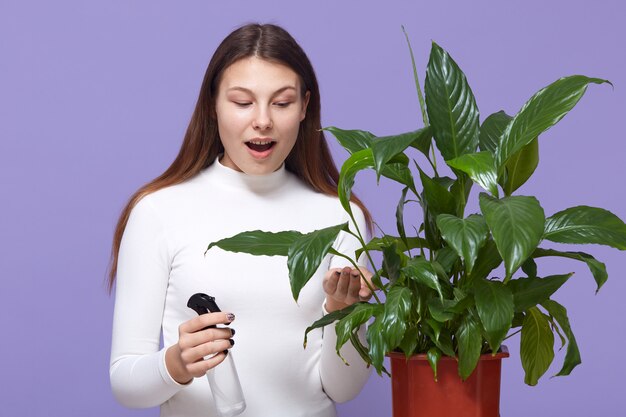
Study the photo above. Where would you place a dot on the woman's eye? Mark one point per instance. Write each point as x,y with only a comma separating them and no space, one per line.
282,103
242,103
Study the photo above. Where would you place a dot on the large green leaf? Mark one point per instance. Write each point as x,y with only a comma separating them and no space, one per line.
328,319
536,346
377,346
352,140
491,131
516,224
469,345
307,253
385,148
357,317
529,292
358,161
584,224
494,303
394,318
572,356
542,111
480,168
451,106
258,242
521,166
465,236
423,272
597,268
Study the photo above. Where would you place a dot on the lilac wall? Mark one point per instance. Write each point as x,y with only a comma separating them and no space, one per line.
95,97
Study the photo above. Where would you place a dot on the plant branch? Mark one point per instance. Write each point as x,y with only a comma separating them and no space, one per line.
359,237
512,334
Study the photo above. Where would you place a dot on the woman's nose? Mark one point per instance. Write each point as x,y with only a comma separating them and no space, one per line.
262,120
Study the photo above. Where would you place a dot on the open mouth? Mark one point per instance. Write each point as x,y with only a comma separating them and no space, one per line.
260,145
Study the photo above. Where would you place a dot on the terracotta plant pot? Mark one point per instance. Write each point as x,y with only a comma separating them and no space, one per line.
416,393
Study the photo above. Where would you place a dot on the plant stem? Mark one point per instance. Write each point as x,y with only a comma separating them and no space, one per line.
512,334
433,165
367,252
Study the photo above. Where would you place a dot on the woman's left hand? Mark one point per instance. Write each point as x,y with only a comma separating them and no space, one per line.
344,287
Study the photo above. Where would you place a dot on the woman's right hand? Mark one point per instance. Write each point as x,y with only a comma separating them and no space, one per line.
185,360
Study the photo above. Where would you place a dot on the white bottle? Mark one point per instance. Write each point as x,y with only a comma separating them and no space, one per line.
226,388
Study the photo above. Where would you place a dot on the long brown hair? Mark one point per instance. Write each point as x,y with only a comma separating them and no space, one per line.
201,144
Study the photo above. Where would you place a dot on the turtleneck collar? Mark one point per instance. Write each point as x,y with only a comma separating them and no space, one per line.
255,183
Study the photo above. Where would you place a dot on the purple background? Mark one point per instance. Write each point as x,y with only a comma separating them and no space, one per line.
94,101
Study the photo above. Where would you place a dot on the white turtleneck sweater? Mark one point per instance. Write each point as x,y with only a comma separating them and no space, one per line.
162,263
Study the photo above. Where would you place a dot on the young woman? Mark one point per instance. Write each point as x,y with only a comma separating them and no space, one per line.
253,157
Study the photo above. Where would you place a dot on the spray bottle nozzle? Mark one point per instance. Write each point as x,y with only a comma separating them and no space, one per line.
202,304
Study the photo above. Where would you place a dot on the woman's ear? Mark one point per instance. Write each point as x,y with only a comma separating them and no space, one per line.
305,104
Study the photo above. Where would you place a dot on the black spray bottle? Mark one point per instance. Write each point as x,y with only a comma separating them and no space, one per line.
223,379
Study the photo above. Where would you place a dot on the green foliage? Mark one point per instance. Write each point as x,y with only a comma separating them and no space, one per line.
516,225
465,236
450,105
528,292
494,304
307,253
584,224
481,169
537,345
258,242
441,296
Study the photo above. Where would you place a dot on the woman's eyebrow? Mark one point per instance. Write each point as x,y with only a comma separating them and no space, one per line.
246,90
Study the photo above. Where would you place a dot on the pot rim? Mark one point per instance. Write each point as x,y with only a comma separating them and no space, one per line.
503,353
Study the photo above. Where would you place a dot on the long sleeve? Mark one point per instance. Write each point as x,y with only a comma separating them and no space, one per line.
341,382
138,374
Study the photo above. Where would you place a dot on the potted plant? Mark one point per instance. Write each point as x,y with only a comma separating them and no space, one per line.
437,295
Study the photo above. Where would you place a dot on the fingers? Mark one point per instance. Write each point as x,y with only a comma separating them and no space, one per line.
189,340
201,358
201,347
201,367
365,293
205,320
343,287
343,283
331,279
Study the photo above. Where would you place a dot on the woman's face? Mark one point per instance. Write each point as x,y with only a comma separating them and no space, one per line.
259,109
